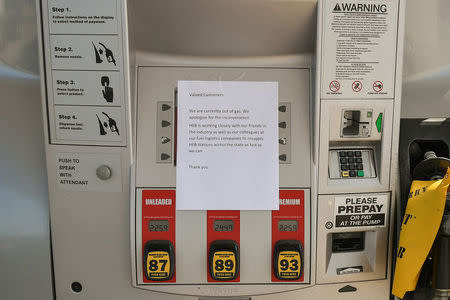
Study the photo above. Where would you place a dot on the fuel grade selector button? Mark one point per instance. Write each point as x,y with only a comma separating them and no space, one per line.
288,260
159,260
223,260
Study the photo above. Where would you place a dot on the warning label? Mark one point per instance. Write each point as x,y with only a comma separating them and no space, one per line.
360,210
359,49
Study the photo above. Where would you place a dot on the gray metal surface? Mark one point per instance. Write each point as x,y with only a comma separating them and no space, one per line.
426,70
252,27
25,264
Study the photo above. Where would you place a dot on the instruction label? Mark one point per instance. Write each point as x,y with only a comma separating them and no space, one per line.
359,38
87,88
86,123
83,46
361,210
82,16
85,52
77,172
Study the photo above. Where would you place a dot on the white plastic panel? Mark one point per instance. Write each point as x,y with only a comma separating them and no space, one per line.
158,84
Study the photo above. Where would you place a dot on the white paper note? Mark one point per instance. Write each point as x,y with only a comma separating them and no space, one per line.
227,152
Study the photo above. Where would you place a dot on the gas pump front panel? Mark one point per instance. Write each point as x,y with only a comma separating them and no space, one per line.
184,248
110,114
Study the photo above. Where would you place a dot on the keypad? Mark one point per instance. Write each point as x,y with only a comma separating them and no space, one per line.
351,164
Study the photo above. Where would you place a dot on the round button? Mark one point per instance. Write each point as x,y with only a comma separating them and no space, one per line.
76,287
104,172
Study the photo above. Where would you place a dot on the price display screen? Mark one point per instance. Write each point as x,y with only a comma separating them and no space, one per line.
223,225
158,225
288,225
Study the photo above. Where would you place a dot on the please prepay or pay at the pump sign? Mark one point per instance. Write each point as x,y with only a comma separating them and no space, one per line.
360,210
227,145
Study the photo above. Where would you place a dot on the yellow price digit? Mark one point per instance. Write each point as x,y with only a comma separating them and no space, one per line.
289,264
224,263
158,264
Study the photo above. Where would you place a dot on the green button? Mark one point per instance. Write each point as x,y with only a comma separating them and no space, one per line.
379,121
360,173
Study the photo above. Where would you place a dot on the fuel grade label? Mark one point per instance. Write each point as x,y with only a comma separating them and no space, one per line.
289,264
361,210
224,264
158,265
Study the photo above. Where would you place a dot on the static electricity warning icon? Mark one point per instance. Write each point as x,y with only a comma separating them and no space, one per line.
334,86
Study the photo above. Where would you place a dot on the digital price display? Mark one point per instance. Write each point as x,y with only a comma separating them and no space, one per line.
288,225
223,225
158,225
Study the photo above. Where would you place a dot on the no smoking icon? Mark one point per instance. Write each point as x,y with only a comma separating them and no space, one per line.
357,86
378,86
334,86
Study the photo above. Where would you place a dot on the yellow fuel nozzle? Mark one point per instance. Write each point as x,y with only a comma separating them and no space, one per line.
420,225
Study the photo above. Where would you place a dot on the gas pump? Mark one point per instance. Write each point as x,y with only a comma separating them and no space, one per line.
113,158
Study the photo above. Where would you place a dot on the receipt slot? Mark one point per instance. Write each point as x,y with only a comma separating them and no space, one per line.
159,260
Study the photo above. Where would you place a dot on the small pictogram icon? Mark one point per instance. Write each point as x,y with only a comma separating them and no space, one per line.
335,86
104,124
337,7
357,86
377,86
